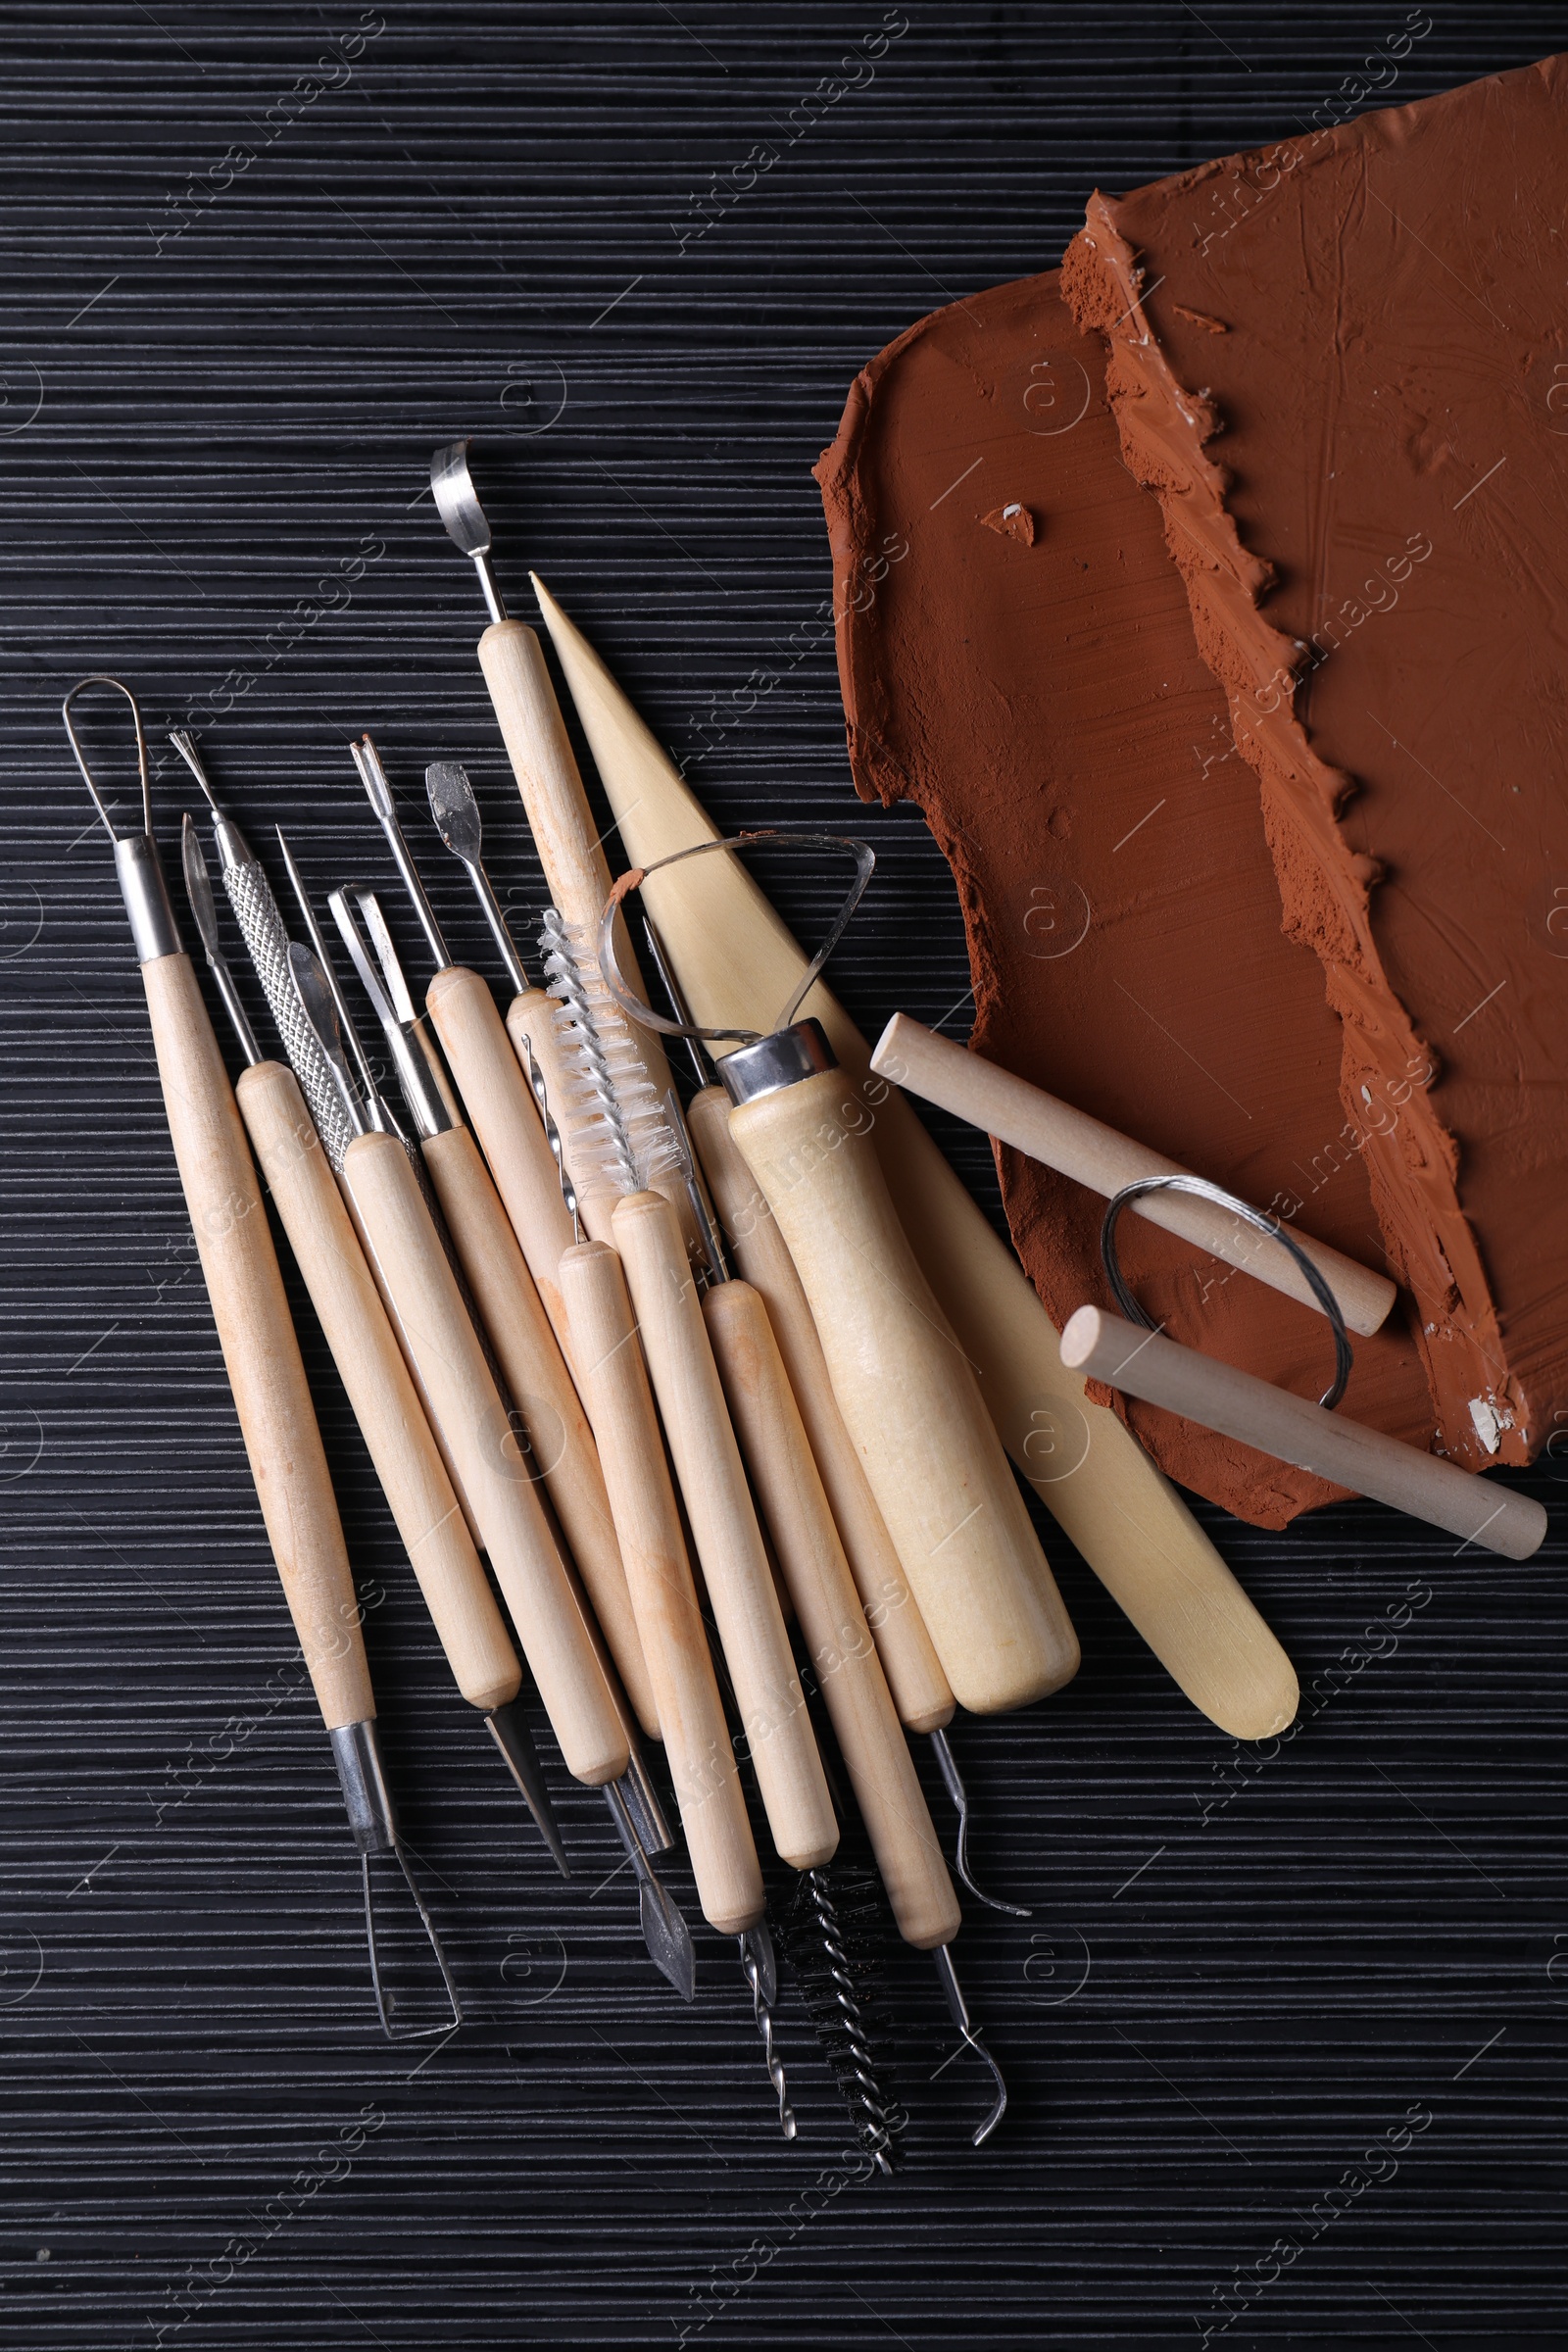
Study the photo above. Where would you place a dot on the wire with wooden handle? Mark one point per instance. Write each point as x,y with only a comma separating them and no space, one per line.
728,1540
370,1362
1294,1430
795,1507
908,1393
920,1689
674,1641
538,1593
939,1070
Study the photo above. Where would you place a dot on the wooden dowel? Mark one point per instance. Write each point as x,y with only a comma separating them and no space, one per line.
795,1507
920,1689
939,1070
1295,1430
260,1353
909,1398
723,1524
534,1370
370,1362
538,1593
669,1623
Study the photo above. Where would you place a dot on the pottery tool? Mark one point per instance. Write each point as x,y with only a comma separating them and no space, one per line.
939,1070
1146,1364
908,1393
484,1064
260,1353
670,1621
540,1598
370,1362
510,1226
919,1689
530,1019
565,833
617,1137
849,1674
528,1353
736,959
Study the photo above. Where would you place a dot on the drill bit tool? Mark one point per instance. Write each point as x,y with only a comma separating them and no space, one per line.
370,1362
260,1353
527,1352
918,1687
540,1596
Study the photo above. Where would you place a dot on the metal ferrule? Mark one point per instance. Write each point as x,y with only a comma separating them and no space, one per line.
777,1061
146,896
233,847
357,1752
424,1088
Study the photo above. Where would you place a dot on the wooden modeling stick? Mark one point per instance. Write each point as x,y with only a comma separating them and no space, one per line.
939,1070
1147,1364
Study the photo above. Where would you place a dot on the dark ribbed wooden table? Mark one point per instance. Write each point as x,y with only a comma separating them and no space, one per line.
1285,2034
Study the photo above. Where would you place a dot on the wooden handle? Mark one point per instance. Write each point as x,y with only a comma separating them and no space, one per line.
795,1506
538,1593
911,1401
531,1364
568,839
348,1306
1294,1430
736,961
723,1523
505,1117
920,1689
697,1742
260,1353
941,1071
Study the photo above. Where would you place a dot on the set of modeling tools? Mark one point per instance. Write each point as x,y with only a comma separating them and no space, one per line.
692,1406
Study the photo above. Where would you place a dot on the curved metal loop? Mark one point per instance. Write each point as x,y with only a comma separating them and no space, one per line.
101,677
644,1015
1270,1228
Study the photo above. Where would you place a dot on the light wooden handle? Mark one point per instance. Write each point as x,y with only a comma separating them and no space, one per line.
911,1401
564,829
370,1362
728,1540
795,1507
505,1117
920,1689
697,1742
532,1027
941,1071
538,1593
1294,1430
260,1353
531,1364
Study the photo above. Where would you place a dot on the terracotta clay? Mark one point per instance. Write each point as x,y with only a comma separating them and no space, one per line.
1046,705
1363,485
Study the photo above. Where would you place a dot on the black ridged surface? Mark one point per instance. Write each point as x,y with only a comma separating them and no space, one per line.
214,455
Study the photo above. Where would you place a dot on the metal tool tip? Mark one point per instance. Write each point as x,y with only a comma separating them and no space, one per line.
456,501
372,776
454,808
